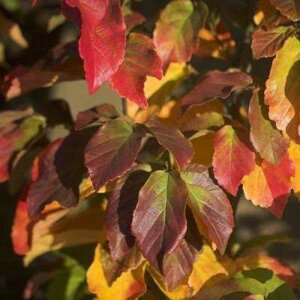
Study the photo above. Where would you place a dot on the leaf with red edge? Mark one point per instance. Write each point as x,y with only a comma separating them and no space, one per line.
112,150
120,207
269,186
103,39
141,60
233,157
60,171
176,32
173,140
288,8
159,223
268,141
282,92
270,36
16,136
209,205
216,84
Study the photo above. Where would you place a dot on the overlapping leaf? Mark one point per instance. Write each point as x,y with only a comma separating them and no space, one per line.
268,141
289,8
210,205
283,90
141,60
269,185
233,157
270,37
173,140
112,150
102,28
216,84
159,222
176,32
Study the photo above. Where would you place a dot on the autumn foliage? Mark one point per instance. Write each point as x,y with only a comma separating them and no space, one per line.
141,203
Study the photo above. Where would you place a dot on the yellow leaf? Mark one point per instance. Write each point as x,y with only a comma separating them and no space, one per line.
60,228
294,153
130,285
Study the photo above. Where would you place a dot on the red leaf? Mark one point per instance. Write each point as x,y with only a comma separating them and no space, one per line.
141,60
159,222
210,205
112,151
233,157
119,214
102,42
134,19
268,141
173,140
216,84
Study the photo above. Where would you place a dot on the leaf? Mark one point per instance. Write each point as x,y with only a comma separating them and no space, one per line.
63,228
269,185
130,285
294,153
141,60
112,151
283,90
209,205
16,136
288,8
61,64
270,37
102,28
133,19
176,32
159,222
233,157
119,215
269,142
172,140
216,84
61,170
96,116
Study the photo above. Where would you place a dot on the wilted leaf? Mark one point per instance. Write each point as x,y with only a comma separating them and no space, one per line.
60,171
268,185
268,141
102,28
159,222
282,92
233,157
176,32
288,8
216,84
209,204
112,151
130,285
121,204
270,37
141,60
173,140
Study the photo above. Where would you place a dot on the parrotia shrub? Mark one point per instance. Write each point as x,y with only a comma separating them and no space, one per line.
141,204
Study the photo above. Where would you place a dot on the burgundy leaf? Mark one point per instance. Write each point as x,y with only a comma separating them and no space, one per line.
61,170
119,213
173,140
216,84
210,205
96,116
112,151
159,223
288,8
140,61
103,38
